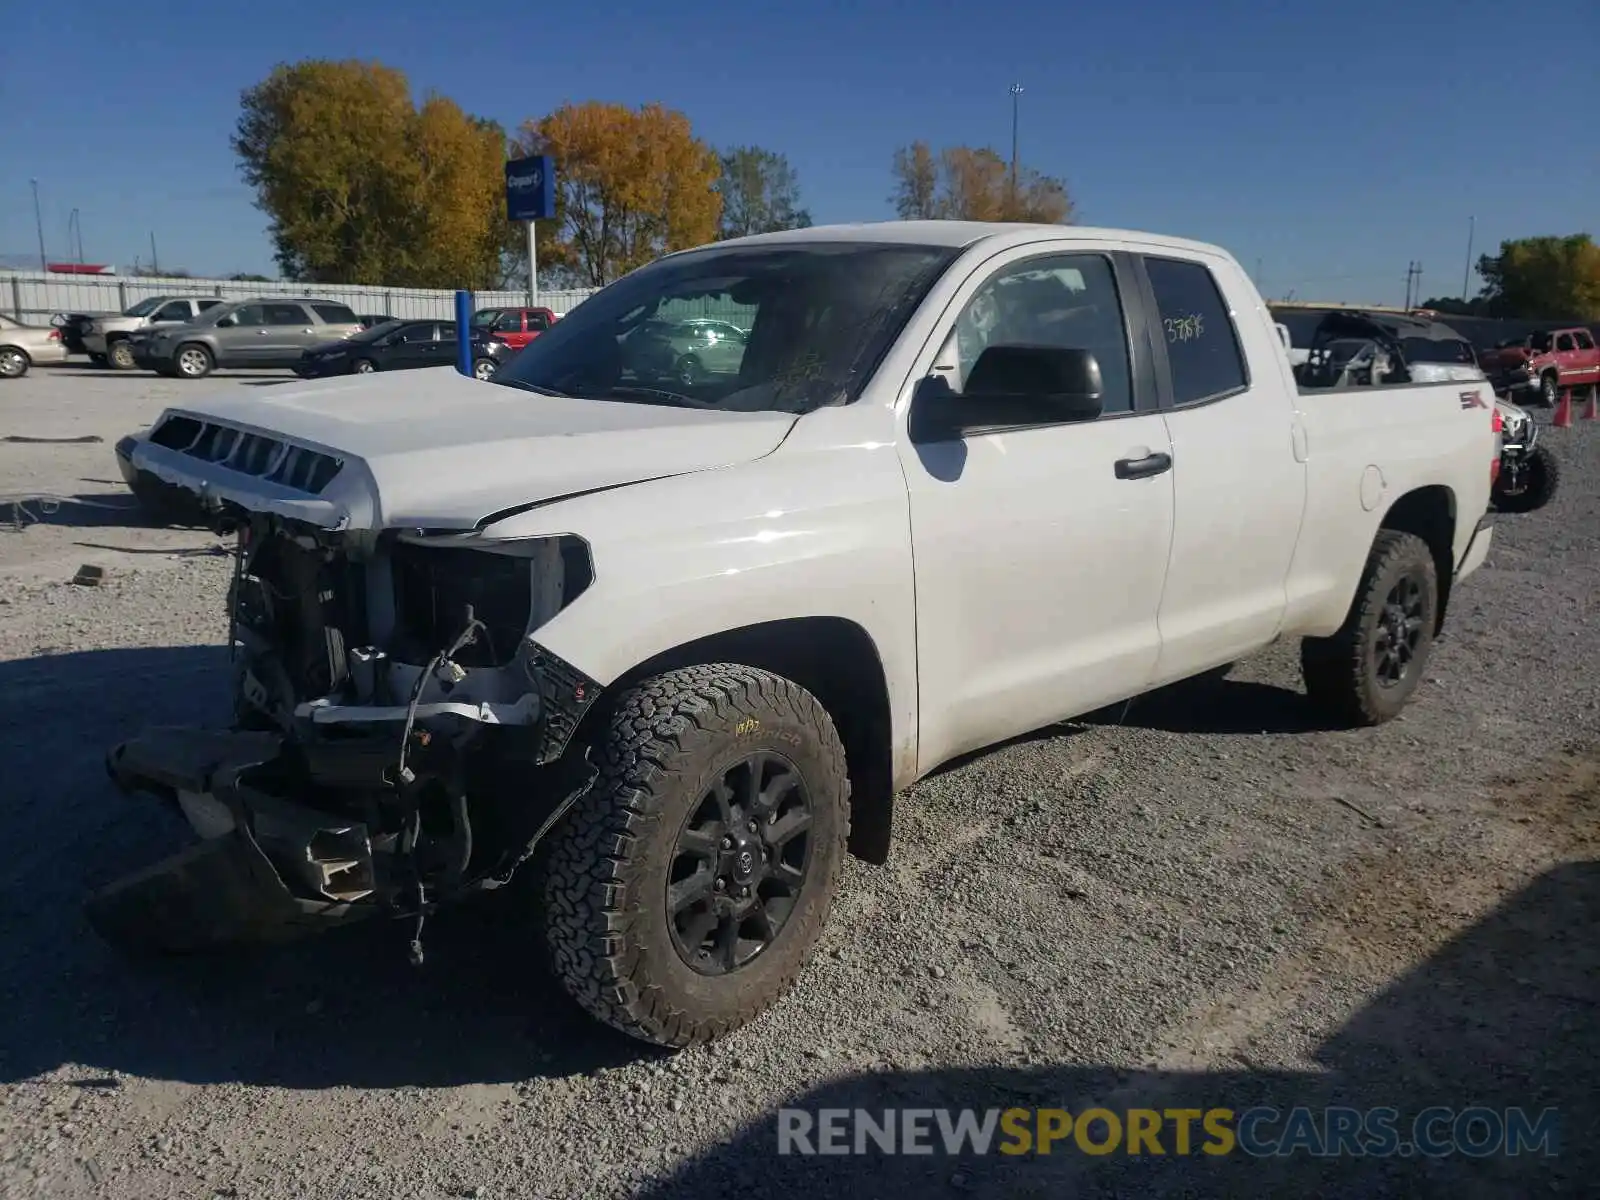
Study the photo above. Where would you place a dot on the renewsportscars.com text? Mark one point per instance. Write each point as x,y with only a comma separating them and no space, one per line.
1259,1132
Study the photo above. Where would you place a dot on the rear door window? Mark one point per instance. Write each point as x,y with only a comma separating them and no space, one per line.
336,314
286,314
1203,353
177,310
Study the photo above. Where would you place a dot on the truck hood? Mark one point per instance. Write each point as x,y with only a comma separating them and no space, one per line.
432,449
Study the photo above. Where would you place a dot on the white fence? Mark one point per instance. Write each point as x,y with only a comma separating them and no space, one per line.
34,296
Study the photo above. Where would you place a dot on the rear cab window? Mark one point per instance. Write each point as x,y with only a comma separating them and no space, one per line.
1582,338
1204,357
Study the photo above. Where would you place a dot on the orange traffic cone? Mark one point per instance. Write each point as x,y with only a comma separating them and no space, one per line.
1589,413
1563,417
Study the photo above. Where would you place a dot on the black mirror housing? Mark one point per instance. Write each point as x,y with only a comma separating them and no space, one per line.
1010,387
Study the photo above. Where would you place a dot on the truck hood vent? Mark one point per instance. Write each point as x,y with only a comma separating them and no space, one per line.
257,454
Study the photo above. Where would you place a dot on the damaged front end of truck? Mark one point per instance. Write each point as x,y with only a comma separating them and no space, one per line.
399,736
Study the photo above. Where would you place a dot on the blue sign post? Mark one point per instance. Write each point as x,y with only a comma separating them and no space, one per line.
530,197
464,332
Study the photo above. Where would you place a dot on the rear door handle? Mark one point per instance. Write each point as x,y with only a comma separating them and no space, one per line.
1143,468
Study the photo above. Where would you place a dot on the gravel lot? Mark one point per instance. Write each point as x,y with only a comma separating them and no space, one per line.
1206,900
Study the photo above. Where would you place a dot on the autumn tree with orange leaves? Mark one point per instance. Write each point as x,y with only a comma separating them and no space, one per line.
631,185
363,186
967,184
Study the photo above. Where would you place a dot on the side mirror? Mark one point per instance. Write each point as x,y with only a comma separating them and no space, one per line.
1010,387
226,322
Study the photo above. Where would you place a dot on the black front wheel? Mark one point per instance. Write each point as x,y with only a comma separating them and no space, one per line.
685,893
1536,484
1364,673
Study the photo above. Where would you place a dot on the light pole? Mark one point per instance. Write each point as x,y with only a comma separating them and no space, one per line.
1466,274
1016,91
38,225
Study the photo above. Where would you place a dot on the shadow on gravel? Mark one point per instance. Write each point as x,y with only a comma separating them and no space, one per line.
94,510
342,1010
1213,705
1505,1016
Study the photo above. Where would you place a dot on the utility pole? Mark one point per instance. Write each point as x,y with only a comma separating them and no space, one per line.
155,261
1016,91
38,225
1413,281
1466,273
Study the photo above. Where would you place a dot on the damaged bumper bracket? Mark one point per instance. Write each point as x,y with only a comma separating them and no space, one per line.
227,889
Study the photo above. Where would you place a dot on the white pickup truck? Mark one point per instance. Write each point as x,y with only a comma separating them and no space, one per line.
678,638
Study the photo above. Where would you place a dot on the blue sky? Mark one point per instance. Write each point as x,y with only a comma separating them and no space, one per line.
1331,149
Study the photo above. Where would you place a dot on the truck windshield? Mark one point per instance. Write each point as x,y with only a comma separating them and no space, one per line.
820,316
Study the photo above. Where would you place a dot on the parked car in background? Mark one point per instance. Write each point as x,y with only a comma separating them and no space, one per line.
21,346
516,327
401,346
684,351
678,648
1543,363
1529,472
368,320
105,339
266,332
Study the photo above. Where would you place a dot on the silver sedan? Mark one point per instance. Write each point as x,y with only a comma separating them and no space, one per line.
23,345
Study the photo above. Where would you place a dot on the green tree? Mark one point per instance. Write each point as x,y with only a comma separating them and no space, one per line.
1543,278
968,184
631,185
361,186
760,193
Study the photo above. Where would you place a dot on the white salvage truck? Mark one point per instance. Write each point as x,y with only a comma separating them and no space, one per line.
676,643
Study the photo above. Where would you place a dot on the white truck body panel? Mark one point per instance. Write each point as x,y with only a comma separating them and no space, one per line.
1006,580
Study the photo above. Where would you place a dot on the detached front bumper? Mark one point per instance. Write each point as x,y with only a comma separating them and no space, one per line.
266,869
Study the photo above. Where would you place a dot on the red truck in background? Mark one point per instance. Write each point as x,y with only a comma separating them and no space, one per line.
1543,363
516,327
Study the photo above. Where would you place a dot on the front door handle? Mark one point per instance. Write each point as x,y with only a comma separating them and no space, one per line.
1143,468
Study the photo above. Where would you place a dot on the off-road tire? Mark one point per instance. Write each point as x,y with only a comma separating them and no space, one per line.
1549,389
663,743
1544,473
1340,671
119,355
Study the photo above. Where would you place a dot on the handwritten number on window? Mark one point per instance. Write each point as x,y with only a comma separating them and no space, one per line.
1185,329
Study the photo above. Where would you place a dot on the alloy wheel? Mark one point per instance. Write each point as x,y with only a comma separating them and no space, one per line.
739,864
1399,631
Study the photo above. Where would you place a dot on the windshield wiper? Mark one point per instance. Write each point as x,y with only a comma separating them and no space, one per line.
528,387
658,396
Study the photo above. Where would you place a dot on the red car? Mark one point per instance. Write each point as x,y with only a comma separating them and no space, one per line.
516,327
1544,363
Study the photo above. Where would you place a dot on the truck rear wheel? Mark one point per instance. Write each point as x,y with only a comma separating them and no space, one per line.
1365,673
686,891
